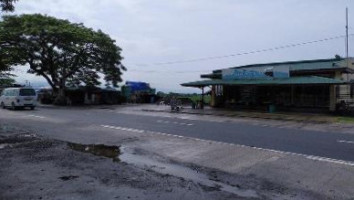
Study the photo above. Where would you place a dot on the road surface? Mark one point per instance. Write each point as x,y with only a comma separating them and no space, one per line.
88,125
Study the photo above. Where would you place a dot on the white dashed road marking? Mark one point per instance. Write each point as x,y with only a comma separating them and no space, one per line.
177,123
342,162
345,141
311,157
124,129
36,116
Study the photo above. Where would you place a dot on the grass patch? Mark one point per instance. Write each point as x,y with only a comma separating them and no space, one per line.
196,98
345,119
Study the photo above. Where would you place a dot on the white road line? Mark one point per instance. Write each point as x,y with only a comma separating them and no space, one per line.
124,129
41,117
342,162
345,141
175,122
311,157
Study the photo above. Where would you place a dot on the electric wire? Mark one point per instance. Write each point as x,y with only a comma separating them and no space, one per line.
233,55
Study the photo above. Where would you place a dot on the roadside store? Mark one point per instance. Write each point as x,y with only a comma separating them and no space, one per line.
311,85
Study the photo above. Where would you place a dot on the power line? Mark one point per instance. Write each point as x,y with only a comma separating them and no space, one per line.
178,72
244,53
253,52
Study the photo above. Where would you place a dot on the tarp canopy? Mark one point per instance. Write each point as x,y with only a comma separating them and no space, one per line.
300,80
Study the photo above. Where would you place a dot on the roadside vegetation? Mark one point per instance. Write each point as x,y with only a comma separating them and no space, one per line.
7,5
346,119
6,81
66,54
195,98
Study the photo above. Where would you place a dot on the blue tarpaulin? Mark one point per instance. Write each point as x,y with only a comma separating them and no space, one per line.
137,86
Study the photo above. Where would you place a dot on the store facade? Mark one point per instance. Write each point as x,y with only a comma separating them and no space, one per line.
310,84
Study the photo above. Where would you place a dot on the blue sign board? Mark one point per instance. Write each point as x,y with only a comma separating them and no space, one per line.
256,73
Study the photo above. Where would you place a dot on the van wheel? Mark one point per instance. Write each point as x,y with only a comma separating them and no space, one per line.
2,105
13,107
32,107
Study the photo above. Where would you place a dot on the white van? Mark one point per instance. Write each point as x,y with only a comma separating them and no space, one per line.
18,98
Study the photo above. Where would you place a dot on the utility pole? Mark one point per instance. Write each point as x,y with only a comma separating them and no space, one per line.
347,37
347,40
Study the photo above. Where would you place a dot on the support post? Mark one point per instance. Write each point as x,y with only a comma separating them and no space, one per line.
292,95
332,98
213,96
202,103
347,37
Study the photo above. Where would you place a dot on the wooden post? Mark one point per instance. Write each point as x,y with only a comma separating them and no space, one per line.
202,103
332,98
292,95
212,96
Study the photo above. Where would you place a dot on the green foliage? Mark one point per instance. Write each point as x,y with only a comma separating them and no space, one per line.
7,5
196,98
60,51
161,94
193,97
338,57
4,82
349,120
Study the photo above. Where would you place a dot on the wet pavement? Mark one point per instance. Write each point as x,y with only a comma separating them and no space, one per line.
35,167
157,166
74,152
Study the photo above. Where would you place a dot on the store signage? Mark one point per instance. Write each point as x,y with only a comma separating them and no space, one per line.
256,73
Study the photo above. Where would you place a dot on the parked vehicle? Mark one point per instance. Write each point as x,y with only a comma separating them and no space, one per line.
175,104
18,98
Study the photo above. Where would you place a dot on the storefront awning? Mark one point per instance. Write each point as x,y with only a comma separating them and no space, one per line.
300,80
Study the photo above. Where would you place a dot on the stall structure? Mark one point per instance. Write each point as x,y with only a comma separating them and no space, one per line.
309,85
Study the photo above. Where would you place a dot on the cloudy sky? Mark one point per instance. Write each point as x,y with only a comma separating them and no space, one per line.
155,32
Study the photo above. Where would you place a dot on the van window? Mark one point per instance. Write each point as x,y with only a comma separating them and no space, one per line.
10,93
27,92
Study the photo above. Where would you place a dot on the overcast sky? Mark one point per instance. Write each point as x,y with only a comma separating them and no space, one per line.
160,31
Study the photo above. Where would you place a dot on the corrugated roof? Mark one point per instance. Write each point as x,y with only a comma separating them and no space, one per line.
300,80
300,62
299,65
303,65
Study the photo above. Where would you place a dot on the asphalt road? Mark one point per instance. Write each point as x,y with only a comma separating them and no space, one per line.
87,125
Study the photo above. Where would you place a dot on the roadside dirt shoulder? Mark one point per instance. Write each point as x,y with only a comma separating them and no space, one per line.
33,167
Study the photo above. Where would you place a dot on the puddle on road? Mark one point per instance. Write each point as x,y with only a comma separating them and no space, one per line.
119,154
98,150
182,172
68,178
9,141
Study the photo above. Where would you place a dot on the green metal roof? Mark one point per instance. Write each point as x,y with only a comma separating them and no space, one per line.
300,65
300,80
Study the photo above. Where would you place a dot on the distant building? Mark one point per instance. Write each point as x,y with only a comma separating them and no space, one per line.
139,92
309,84
83,95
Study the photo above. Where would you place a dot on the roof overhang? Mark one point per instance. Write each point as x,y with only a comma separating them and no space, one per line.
323,71
301,80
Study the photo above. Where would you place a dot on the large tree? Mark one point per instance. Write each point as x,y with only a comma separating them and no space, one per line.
60,51
6,81
7,5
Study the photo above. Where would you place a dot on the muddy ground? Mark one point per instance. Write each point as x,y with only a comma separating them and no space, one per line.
34,167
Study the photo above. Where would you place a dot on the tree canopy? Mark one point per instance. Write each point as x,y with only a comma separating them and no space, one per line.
7,5
6,81
60,51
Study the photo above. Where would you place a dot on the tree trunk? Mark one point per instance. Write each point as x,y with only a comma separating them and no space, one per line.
60,99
